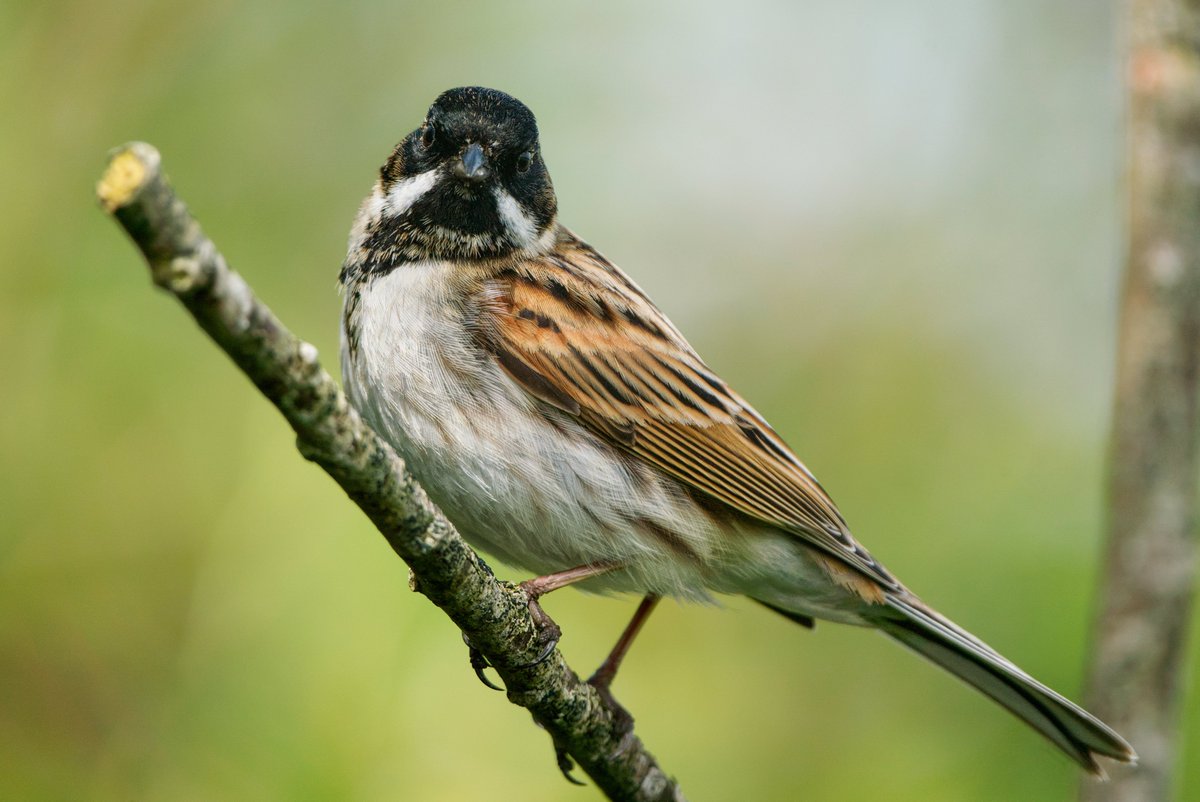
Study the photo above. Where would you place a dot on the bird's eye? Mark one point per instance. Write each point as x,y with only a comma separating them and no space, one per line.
525,161
427,135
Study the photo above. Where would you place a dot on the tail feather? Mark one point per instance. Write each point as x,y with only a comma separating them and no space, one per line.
1072,729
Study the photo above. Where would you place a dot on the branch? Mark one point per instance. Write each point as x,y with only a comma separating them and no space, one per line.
493,615
1150,570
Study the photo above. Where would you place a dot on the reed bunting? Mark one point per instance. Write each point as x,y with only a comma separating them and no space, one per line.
565,426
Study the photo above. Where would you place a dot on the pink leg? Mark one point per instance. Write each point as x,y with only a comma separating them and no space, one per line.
604,675
548,631
541,585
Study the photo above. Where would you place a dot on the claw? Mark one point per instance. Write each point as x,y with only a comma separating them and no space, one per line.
479,664
566,765
548,632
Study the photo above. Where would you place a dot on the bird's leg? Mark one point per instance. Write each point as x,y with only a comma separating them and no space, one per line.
541,585
602,678
548,632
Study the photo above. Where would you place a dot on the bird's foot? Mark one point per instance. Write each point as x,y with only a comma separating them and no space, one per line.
622,718
566,765
479,664
546,632
546,636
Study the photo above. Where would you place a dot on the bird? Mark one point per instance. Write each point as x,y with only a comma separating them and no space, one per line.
565,426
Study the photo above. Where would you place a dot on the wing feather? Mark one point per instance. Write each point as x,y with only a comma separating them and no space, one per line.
577,334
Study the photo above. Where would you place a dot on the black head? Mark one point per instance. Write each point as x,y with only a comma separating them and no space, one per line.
469,183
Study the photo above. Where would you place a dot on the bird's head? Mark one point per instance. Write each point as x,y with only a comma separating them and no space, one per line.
469,183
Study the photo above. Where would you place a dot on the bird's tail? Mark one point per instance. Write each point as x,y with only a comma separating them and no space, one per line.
1067,725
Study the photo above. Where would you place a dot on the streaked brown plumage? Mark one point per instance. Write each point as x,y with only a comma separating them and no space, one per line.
562,422
576,333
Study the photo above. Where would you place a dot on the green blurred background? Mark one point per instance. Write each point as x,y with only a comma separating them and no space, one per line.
895,227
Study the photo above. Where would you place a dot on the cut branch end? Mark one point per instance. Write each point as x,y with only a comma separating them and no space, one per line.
129,168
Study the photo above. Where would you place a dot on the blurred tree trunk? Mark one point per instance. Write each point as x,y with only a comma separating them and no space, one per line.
1150,570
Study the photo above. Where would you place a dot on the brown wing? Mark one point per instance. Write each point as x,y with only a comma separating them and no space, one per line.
576,333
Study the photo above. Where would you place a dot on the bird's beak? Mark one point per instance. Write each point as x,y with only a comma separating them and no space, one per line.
473,165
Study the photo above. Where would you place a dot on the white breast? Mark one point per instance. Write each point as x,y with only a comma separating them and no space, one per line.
513,485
